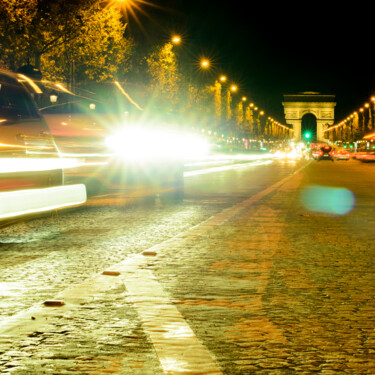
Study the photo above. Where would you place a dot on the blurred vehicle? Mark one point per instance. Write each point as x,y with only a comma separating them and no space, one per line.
315,150
341,154
325,153
31,170
111,144
315,154
289,153
366,156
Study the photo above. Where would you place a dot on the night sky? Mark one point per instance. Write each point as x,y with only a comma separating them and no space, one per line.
273,49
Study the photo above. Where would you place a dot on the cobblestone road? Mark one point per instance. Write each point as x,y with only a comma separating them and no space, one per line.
267,286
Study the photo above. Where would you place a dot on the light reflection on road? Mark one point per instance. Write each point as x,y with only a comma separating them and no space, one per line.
225,168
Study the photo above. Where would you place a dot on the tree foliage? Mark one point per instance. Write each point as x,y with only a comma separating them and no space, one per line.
165,78
54,34
99,52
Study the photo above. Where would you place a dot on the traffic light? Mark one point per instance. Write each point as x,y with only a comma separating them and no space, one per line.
307,135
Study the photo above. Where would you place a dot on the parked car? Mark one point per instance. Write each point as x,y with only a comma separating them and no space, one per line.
31,169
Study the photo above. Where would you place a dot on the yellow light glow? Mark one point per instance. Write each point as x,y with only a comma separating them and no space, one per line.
223,78
62,88
11,146
233,88
176,39
31,83
131,8
205,63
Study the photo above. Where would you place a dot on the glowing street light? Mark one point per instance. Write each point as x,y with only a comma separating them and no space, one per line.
176,39
205,63
233,88
223,78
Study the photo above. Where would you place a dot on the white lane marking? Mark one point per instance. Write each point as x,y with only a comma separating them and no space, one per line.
175,343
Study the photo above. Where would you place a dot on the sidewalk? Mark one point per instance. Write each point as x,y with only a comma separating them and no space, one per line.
265,287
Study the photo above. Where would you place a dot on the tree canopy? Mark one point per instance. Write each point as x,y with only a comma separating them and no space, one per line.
64,38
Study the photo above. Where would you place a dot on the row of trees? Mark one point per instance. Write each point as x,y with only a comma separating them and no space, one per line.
81,41
64,38
355,126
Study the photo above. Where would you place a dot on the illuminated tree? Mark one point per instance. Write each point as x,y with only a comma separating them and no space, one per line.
165,78
29,28
239,114
99,52
62,37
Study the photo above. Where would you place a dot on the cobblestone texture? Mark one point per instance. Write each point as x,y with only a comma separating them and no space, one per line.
269,288
279,290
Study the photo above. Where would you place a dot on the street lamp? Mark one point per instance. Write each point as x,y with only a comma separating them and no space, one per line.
233,88
176,39
205,63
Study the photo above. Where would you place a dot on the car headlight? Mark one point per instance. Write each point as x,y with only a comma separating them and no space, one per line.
151,144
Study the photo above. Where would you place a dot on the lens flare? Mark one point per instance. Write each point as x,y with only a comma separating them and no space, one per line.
330,200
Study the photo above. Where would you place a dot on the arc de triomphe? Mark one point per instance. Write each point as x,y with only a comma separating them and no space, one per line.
321,106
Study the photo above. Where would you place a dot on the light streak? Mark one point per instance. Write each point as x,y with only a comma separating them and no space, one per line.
31,83
123,92
23,202
225,168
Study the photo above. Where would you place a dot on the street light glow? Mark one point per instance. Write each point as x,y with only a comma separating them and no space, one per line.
176,39
205,63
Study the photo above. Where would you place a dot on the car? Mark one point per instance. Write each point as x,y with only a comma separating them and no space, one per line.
111,144
367,157
315,154
341,155
31,169
325,153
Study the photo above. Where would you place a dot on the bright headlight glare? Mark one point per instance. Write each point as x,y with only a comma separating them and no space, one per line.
143,144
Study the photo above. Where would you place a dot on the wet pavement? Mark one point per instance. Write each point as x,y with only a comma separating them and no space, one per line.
264,285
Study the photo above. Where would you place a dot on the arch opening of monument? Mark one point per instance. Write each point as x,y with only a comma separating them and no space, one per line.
307,108
309,128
